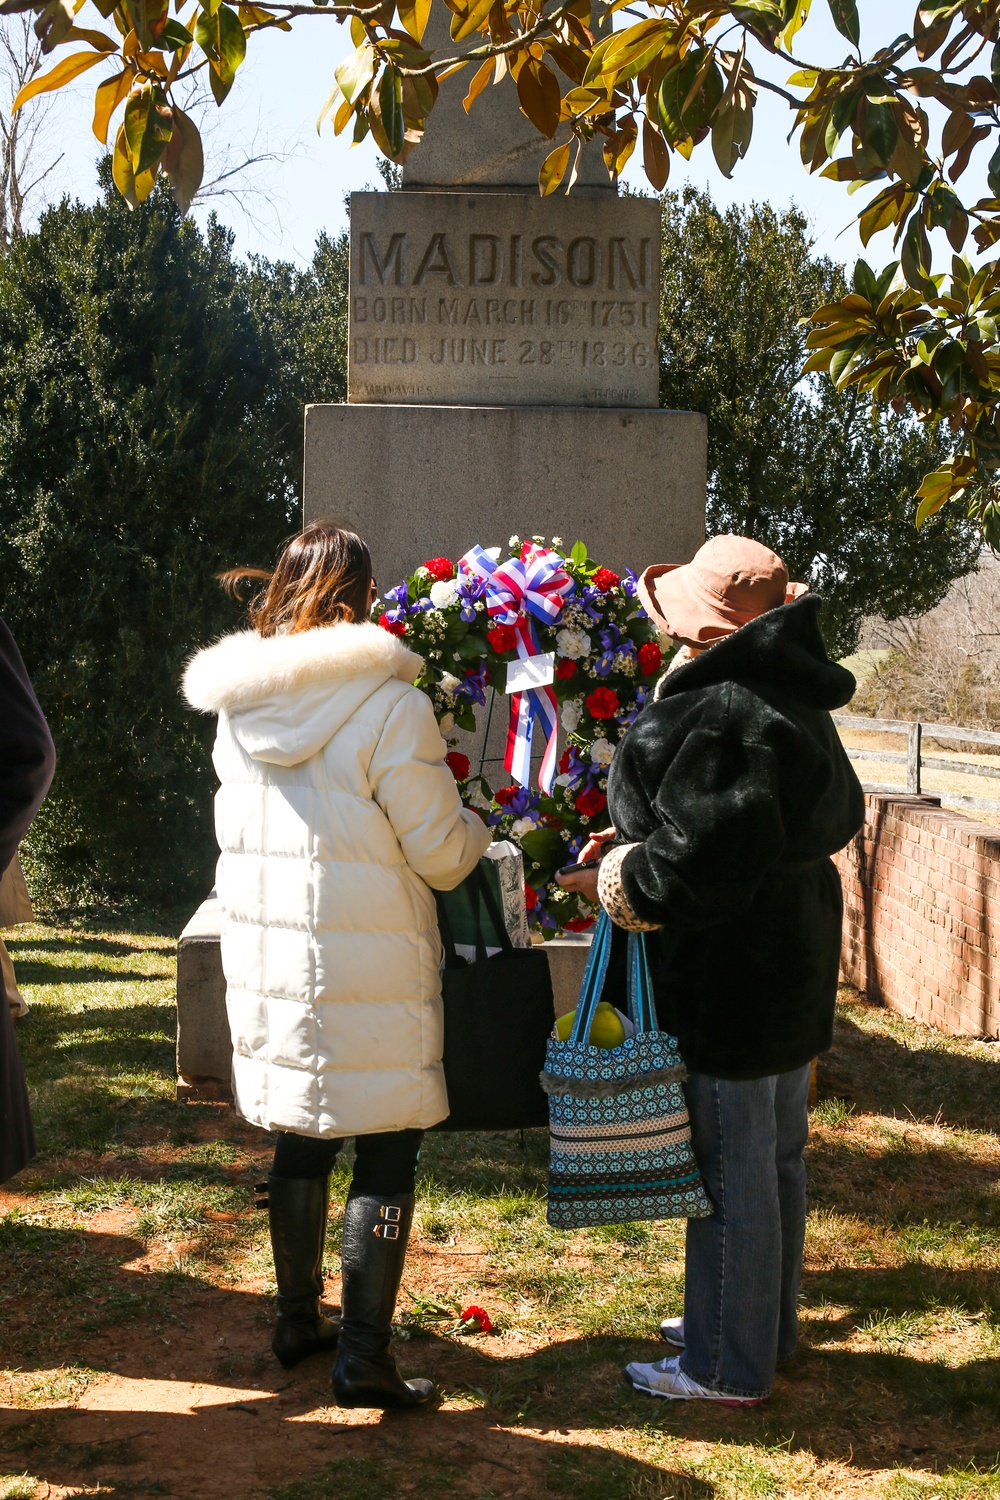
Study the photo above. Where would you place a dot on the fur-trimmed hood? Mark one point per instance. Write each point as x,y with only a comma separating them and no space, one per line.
286,695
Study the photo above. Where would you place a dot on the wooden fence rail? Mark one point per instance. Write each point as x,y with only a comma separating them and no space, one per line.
915,760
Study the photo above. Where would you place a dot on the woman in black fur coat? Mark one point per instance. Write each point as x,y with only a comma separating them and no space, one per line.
27,763
728,796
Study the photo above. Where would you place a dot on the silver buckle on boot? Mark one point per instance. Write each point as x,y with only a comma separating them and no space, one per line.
390,1214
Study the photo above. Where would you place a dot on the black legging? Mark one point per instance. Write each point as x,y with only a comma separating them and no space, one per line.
384,1163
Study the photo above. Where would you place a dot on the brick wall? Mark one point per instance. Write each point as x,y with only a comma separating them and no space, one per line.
921,910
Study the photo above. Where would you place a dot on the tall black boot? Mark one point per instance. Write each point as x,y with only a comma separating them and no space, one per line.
297,1208
376,1231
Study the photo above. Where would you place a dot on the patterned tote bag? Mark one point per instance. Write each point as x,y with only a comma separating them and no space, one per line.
620,1137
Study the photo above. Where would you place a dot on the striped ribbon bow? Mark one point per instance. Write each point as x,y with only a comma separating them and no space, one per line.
514,591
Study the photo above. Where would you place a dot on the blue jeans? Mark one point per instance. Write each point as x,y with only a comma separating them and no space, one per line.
742,1265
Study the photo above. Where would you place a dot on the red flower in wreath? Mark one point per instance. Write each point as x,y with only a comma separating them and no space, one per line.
506,795
564,763
458,764
650,658
501,638
394,627
578,924
440,568
549,820
565,669
530,897
602,703
605,580
591,802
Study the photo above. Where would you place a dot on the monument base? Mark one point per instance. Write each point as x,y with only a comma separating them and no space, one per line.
204,1045
425,481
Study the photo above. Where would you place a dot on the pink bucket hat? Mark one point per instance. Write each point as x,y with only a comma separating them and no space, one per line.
728,583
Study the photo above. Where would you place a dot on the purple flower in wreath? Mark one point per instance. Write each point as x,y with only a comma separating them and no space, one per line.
628,718
615,644
540,916
474,686
421,606
469,590
397,600
629,582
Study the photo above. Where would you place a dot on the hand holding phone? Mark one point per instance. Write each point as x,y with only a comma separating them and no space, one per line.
586,864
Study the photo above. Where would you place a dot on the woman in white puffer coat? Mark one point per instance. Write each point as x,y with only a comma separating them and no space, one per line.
337,818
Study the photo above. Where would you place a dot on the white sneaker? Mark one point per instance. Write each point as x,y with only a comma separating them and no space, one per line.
667,1379
672,1332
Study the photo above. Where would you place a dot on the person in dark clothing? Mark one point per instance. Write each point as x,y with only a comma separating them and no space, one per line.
728,796
27,764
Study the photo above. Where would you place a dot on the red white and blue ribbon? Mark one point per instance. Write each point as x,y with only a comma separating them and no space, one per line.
514,591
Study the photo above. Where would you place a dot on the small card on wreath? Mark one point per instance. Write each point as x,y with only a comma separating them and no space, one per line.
531,672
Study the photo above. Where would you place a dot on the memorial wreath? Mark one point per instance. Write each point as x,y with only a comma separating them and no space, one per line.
573,647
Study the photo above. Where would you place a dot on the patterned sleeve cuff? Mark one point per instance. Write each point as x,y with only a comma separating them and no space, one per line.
611,892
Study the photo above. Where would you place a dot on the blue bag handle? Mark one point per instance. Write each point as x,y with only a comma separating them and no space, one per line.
594,976
640,986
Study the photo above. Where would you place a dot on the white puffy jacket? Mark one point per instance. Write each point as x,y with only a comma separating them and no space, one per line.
335,815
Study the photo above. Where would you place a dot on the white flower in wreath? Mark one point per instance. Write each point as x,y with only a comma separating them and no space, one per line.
565,779
602,752
476,798
493,552
521,826
570,715
514,544
446,723
572,643
444,594
625,662
449,684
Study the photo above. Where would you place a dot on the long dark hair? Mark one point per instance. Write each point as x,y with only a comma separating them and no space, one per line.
323,576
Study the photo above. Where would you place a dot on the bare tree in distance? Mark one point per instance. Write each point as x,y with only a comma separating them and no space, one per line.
26,152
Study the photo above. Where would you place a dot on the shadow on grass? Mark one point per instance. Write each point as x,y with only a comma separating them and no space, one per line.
102,946
155,1326
881,1075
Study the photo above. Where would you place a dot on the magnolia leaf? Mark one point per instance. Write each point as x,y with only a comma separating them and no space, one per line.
95,39
655,156
479,82
413,16
539,96
107,99
148,127
134,189
184,160
578,554
553,169
173,36
222,38
390,98
64,72
845,18
468,20
355,73
799,17
881,132
915,258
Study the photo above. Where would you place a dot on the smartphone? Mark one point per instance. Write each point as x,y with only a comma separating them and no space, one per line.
588,864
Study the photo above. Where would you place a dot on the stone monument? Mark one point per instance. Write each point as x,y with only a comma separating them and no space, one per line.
503,378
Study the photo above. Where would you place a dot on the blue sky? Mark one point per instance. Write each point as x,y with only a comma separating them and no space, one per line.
281,88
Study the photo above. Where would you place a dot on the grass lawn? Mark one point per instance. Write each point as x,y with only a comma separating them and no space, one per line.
135,1291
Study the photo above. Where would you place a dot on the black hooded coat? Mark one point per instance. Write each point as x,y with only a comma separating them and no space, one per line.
735,789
